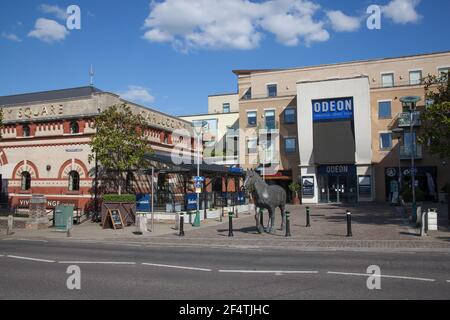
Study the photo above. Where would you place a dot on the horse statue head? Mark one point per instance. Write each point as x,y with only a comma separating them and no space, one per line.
251,178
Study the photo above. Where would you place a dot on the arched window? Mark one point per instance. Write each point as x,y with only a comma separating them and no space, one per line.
74,127
26,181
74,181
26,130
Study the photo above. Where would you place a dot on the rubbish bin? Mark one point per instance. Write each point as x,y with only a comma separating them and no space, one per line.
432,220
62,214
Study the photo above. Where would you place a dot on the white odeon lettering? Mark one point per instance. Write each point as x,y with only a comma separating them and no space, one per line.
337,169
333,106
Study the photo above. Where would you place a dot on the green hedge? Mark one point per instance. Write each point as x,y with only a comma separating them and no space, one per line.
128,198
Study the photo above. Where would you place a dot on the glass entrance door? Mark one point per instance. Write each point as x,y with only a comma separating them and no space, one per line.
337,189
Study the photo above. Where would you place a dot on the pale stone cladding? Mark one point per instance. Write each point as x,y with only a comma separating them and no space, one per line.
216,103
37,138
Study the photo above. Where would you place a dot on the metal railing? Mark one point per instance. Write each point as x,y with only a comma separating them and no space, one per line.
404,119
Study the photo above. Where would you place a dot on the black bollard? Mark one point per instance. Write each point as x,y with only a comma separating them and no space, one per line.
349,224
230,227
288,224
182,225
308,217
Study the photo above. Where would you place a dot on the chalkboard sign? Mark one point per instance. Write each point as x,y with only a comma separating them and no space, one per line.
116,218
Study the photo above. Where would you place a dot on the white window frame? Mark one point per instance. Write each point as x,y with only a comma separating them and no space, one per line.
381,140
421,76
247,149
267,88
378,108
385,74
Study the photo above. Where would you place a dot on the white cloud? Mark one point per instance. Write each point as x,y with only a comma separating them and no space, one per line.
343,23
137,94
234,24
402,11
11,37
57,11
48,31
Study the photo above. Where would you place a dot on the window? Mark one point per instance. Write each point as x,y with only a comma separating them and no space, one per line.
252,145
415,77
384,110
74,181
409,140
26,130
270,119
251,118
226,108
272,90
74,128
26,181
248,94
290,145
387,80
442,71
290,115
385,141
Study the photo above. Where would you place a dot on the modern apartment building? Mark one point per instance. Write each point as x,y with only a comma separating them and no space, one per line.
330,128
219,129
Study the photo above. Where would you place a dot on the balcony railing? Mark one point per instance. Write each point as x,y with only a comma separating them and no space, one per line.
269,127
407,151
232,133
404,119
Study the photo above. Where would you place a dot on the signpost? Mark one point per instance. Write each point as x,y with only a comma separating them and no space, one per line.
116,219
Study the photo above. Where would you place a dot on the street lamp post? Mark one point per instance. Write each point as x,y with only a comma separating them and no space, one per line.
399,133
411,102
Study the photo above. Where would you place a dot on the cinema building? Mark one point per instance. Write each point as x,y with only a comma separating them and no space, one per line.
334,128
44,147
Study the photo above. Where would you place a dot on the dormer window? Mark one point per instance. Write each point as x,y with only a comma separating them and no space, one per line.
74,127
26,130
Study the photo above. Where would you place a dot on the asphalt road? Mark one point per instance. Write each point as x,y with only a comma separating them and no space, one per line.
37,270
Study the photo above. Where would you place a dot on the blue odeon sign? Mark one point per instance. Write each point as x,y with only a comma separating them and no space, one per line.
333,109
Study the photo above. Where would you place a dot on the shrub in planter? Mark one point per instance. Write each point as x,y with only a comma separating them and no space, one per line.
407,195
126,203
295,188
124,198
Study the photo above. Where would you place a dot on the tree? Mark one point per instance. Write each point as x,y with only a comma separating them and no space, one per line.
436,118
119,143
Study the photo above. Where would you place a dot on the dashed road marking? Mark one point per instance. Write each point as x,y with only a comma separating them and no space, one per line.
97,262
381,276
30,240
31,259
176,267
268,272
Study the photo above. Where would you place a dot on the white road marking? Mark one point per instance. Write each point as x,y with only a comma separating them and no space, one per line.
97,262
30,240
448,281
31,259
269,272
175,267
382,276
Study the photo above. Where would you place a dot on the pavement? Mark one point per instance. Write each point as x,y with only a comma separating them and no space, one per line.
374,226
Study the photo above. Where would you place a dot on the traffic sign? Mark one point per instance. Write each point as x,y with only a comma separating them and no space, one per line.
199,179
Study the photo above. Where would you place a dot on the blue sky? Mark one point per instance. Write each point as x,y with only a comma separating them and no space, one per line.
170,55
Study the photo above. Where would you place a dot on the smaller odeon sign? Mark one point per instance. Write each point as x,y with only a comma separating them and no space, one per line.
333,109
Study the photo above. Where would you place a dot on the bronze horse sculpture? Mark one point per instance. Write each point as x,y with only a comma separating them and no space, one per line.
266,197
